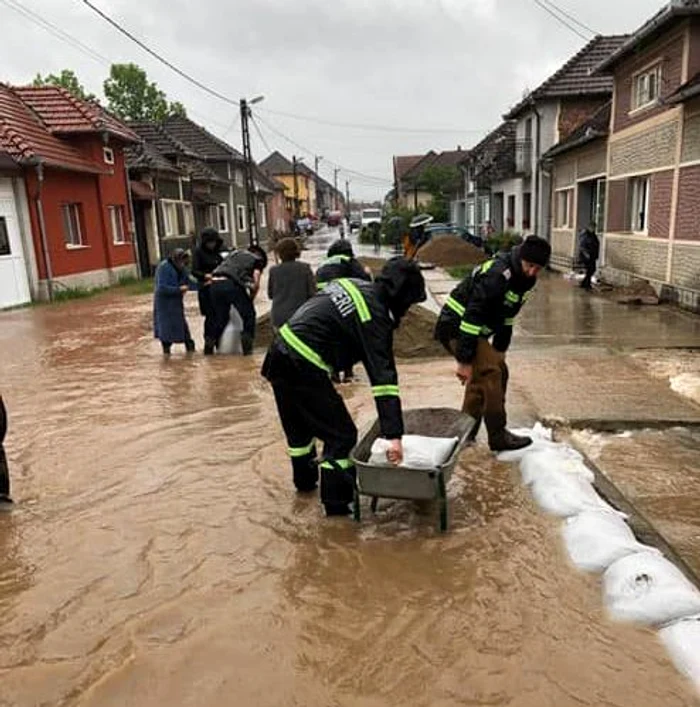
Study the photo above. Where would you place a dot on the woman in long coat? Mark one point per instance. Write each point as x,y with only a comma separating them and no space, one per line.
171,283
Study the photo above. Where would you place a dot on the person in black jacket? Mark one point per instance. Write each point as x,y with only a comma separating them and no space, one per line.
206,258
5,500
588,252
349,321
483,307
341,262
235,283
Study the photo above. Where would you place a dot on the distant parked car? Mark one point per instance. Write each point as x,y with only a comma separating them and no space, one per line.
355,221
444,229
334,218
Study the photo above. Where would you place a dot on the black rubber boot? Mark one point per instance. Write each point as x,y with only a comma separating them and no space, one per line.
166,347
5,501
337,488
505,441
305,470
247,344
189,346
209,346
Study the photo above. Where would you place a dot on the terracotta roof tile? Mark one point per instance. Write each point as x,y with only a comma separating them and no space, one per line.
576,77
404,163
28,141
62,113
200,140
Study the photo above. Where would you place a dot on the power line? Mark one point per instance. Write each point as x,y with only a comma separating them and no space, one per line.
260,135
368,126
559,19
160,58
568,15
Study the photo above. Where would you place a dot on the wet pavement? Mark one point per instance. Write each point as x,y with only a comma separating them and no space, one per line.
159,556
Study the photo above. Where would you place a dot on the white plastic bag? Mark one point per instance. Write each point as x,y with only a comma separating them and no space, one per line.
566,495
596,539
418,452
230,341
648,589
555,460
682,641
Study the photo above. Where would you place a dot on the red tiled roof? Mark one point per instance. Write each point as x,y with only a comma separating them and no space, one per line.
62,113
404,163
28,141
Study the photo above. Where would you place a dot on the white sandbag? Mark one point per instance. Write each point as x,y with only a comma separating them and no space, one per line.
418,452
541,440
646,588
682,641
230,341
555,460
596,539
566,495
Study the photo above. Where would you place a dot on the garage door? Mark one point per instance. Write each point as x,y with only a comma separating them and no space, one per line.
14,284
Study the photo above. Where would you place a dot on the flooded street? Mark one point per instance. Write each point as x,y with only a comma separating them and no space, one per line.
159,556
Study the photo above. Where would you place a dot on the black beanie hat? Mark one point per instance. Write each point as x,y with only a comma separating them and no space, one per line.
400,284
536,250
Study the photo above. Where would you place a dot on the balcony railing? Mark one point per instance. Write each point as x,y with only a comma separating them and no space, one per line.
523,157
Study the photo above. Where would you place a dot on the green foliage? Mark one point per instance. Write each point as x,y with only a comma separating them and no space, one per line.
66,79
438,180
134,286
503,241
459,272
131,96
439,208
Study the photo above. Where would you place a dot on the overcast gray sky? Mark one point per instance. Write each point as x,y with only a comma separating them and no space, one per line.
451,67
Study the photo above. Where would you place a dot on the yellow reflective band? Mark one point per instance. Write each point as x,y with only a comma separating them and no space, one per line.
485,267
468,328
512,297
302,349
510,322
486,331
335,259
295,452
382,391
455,306
321,285
342,463
357,298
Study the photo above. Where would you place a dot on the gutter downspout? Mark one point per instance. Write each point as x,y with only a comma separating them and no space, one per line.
538,143
42,231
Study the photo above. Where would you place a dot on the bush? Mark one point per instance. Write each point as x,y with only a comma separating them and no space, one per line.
459,272
503,241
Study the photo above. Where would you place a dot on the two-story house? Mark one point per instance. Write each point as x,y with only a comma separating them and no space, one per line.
543,118
299,181
653,161
65,219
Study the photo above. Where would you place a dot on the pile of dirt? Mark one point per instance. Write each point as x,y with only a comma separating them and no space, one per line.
450,251
414,338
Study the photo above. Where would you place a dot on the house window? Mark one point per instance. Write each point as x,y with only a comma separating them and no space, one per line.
527,210
187,218
485,209
471,215
72,232
639,217
222,218
108,155
4,237
170,218
599,216
116,220
238,178
240,216
646,88
263,216
564,208
510,213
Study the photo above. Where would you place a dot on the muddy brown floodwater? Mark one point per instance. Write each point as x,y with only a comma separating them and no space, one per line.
158,555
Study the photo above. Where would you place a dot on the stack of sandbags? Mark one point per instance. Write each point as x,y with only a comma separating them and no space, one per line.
639,583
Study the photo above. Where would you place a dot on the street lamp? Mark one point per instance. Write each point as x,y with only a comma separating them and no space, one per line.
250,196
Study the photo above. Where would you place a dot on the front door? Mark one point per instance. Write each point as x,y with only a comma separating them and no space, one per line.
14,283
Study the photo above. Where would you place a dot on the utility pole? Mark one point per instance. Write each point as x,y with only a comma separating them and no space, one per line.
249,181
296,187
335,186
347,200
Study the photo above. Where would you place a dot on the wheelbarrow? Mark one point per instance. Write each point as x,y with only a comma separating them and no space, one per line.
404,482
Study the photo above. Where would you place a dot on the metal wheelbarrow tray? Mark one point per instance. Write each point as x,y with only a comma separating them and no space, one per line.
404,482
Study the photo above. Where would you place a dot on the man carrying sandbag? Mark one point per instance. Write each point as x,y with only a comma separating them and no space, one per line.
235,283
349,321
476,327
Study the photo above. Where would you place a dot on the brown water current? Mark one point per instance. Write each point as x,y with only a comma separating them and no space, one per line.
159,556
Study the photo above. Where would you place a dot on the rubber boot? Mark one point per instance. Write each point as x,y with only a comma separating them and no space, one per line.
209,346
247,344
337,488
189,346
166,347
5,501
505,441
305,470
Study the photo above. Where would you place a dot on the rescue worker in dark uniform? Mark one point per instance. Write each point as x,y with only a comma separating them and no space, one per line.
206,258
341,262
349,321
5,500
235,283
483,307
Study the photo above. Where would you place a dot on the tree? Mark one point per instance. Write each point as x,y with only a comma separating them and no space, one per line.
440,183
131,96
66,79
